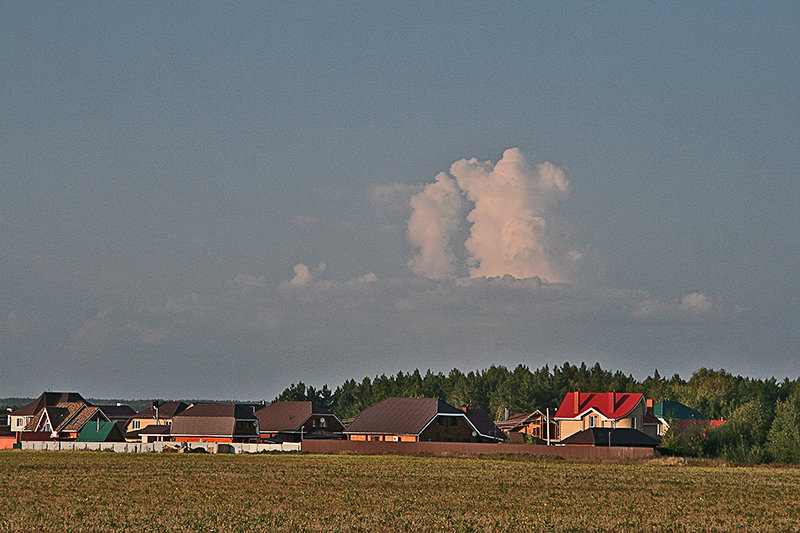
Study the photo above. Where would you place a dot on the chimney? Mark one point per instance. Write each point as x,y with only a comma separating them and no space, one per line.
464,407
613,400
649,403
576,396
506,413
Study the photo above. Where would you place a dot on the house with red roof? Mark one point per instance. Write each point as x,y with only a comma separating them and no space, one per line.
295,421
422,419
584,410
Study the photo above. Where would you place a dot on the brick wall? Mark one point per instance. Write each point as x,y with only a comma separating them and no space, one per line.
569,452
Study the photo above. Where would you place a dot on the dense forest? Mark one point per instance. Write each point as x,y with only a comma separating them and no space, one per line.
762,415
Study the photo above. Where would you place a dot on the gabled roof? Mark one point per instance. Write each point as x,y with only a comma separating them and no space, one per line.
153,429
100,432
117,412
611,405
519,420
62,417
483,424
211,419
669,409
400,416
611,437
86,414
48,399
288,416
165,410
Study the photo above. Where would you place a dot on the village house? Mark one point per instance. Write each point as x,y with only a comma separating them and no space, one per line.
683,418
215,422
422,419
100,431
55,415
584,410
606,436
118,413
158,414
532,425
295,421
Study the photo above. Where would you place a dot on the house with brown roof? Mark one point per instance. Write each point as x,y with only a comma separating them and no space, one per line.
159,413
215,422
584,410
532,425
62,415
295,421
422,419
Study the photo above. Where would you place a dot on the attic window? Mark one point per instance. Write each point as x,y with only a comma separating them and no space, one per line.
135,425
323,422
592,421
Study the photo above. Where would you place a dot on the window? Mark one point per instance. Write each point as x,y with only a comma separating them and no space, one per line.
135,425
633,422
323,422
375,437
592,421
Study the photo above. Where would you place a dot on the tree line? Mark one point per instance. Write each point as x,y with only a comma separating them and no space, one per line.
762,415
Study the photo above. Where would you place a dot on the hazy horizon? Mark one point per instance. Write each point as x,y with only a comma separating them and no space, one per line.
217,200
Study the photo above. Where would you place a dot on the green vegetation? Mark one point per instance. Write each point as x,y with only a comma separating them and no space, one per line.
98,491
762,415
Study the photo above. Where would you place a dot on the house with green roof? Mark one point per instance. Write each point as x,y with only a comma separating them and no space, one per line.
670,411
100,431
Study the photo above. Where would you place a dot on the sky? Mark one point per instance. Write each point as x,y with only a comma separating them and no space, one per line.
206,200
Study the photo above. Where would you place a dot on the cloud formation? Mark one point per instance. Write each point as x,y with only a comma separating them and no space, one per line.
510,211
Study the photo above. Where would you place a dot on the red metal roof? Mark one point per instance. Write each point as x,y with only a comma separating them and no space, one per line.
611,405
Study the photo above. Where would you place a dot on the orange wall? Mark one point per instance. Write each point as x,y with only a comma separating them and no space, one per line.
203,439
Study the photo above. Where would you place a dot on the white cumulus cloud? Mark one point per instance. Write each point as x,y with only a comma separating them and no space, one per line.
509,208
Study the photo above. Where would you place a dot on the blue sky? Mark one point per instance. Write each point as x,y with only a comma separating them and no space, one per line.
205,200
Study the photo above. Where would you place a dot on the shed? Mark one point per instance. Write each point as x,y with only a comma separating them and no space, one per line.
100,431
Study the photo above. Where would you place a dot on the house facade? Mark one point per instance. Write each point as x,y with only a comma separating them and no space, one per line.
61,415
215,422
421,420
533,425
159,413
584,410
295,421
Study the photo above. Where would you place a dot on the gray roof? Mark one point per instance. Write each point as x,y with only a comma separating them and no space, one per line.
165,410
611,437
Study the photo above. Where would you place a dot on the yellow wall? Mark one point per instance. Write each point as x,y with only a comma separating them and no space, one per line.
570,427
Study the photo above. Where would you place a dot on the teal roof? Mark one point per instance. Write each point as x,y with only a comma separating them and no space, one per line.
676,411
100,432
